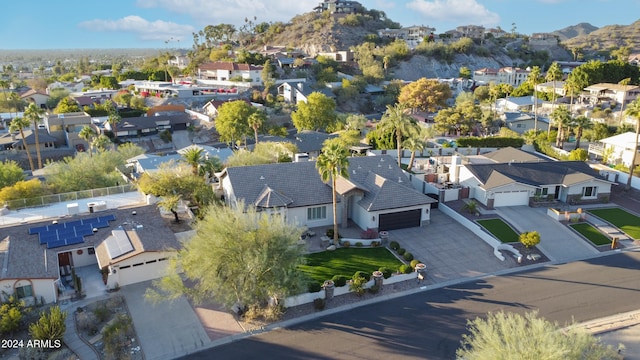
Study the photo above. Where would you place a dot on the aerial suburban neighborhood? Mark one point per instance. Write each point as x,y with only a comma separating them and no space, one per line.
334,185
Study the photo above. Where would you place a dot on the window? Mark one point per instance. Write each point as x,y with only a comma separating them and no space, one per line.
317,213
24,291
91,251
589,191
542,191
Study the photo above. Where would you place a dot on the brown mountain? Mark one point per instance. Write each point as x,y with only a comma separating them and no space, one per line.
607,38
574,31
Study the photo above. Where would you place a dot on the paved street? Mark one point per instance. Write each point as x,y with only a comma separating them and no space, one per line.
428,324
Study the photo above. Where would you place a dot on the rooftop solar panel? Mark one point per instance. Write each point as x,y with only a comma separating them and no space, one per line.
118,244
72,224
55,244
55,227
48,236
37,229
74,240
107,218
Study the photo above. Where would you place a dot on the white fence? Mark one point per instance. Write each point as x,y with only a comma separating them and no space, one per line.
309,297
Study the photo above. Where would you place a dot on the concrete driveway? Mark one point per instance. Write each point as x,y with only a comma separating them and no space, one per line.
556,241
166,330
180,139
449,250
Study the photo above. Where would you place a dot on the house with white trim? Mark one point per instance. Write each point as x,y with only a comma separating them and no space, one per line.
377,194
514,183
618,148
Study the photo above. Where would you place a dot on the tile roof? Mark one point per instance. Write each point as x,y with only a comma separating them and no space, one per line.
229,66
507,154
270,198
300,182
22,255
310,141
533,173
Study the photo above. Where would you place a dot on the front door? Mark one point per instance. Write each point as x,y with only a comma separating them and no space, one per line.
556,195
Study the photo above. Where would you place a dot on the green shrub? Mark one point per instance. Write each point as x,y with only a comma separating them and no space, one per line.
50,326
408,256
339,280
346,244
414,262
394,245
101,313
314,287
357,285
386,272
494,141
360,274
330,233
319,303
401,251
358,244
405,269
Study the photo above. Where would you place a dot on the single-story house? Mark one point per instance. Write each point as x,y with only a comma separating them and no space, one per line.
38,258
377,194
521,122
37,97
209,151
149,125
515,183
621,147
14,140
311,142
212,106
514,104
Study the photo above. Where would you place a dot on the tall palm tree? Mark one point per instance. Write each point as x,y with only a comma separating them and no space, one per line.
18,124
633,110
553,74
413,143
101,143
623,82
580,123
114,117
256,120
534,80
397,119
193,157
562,119
331,163
88,134
4,85
34,114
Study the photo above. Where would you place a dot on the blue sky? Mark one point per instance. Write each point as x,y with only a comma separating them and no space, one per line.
72,24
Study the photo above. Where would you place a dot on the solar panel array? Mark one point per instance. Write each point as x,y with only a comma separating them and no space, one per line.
118,244
71,232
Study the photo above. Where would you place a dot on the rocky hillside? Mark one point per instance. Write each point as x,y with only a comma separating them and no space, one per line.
572,31
421,66
314,33
607,38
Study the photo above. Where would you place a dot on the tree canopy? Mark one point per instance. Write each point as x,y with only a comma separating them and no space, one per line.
317,113
66,105
503,336
425,95
237,257
267,152
232,122
10,173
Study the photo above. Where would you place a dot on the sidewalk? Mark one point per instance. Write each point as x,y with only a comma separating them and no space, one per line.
71,337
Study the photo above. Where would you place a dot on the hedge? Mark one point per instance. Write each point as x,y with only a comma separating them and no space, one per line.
490,142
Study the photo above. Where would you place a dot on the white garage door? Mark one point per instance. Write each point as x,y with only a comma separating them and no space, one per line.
511,198
140,272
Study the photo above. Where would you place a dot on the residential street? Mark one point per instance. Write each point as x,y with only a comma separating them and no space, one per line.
429,324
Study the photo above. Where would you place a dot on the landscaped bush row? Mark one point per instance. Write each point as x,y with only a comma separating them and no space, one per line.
341,280
404,269
495,141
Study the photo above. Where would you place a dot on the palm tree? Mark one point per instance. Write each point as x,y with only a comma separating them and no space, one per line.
623,82
561,118
331,163
580,123
33,113
397,119
256,120
534,80
194,158
633,110
554,74
114,117
88,134
4,85
18,124
101,142
413,143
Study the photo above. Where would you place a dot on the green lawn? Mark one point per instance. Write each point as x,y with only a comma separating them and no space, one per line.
324,265
621,219
500,229
594,235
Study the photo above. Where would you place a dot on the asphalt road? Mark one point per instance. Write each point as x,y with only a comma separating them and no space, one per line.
429,325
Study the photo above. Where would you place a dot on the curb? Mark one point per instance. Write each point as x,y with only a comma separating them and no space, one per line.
610,323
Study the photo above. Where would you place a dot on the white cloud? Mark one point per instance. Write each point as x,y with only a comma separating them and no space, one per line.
464,12
208,12
145,30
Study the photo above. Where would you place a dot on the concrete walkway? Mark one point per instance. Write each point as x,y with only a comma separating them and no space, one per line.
556,241
71,337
